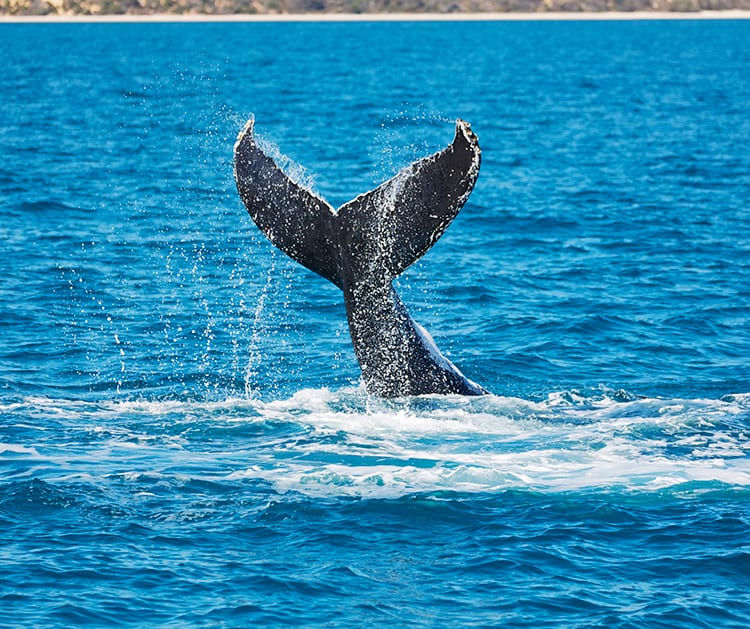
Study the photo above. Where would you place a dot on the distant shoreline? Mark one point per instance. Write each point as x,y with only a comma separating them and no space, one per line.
730,14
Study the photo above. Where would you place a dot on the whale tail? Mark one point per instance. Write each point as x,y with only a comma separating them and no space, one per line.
364,246
381,232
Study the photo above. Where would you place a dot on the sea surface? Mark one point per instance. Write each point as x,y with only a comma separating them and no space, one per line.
184,437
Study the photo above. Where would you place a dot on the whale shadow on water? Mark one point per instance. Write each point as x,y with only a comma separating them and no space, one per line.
364,245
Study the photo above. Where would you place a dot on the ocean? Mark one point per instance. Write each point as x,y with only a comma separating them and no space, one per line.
184,437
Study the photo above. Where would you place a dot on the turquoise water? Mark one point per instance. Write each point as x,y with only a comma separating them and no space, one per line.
184,440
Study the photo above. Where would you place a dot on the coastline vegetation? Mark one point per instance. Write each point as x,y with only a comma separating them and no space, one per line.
259,7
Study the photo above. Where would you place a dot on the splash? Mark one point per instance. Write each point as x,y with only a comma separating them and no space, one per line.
322,443
295,171
259,330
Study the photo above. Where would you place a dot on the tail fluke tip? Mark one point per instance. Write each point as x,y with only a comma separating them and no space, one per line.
247,130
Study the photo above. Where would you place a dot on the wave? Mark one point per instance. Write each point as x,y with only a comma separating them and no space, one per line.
325,443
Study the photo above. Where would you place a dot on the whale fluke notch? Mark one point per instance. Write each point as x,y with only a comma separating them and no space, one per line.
364,245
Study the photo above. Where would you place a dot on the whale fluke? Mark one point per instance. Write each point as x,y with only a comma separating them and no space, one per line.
398,222
364,245
299,223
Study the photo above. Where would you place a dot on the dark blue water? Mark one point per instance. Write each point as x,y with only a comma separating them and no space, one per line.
184,441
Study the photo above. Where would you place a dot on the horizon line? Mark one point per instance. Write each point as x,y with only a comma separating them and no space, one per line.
728,14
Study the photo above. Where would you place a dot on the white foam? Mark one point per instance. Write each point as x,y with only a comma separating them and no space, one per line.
548,446
15,448
347,443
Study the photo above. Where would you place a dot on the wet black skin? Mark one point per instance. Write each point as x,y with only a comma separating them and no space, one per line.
364,246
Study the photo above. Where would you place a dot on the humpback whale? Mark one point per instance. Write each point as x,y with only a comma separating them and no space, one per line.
363,246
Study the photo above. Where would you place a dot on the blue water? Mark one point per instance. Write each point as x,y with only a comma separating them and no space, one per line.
184,440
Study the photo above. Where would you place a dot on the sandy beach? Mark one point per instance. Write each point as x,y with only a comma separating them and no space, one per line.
381,17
